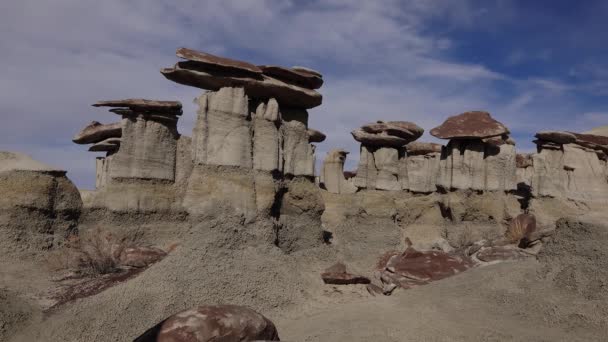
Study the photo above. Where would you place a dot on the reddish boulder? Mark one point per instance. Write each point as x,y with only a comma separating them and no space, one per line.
140,256
218,323
96,132
303,79
388,134
337,275
145,106
421,148
427,266
469,125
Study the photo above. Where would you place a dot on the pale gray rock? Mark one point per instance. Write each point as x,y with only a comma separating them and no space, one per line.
367,173
102,165
297,153
422,170
96,132
386,160
500,168
266,142
222,134
332,174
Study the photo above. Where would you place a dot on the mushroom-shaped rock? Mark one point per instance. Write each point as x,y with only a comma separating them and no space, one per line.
315,136
217,61
332,175
421,148
558,137
218,323
469,125
96,132
388,134
288,75
144,106
108,145
201,73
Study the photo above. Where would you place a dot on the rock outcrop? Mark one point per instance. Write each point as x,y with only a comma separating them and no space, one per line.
213,73
39,205
96,132
332,175
469,162
221,323
420,167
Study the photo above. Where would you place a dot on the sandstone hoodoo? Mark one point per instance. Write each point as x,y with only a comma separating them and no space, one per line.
221,323
421,167
473,161
290,88
96,132
332,174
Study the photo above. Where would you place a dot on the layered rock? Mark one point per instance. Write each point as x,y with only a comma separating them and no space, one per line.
96,132
420,167
469,162
39,206
210,72
332,175
573,168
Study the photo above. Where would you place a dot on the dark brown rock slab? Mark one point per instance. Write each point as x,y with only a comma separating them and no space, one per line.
307,70
379,140
217,61
558,137
144,105
421,148
315,136
262,87
218,323
140,256
107,145
96,132
337,275
469,125
595,142
303,79
402,129
523,160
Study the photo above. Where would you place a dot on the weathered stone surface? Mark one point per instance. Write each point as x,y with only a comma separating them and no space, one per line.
102,165
96,132
367,173
147,150
558,137
315,136
501,253
262,87
523,160
337,275
107,145
421,172
469,125
144,106
386,160
574,173
303,79
39,205
266,145
499,140
521,227
140,256
596,142
472,164
222,134
387,134
298,154
421,148
221,323
525,169
216,61
332,174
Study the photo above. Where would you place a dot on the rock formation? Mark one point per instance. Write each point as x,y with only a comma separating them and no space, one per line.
39,205
96,132
469,162
332,175
221,323
381,151
421,167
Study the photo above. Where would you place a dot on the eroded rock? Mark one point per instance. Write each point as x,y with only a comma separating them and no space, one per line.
302,78
140,256
469,125
558,137
96,132
107,145
337,275
332,175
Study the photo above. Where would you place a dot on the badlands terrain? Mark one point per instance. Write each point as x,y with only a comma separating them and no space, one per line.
230,234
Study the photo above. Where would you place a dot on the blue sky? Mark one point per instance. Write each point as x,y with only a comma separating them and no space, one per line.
533,64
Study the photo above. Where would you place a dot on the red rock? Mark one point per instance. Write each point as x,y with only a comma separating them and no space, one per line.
421,148
315,136
217,61
596,142
96,132
469,125
307,70
402,129
303,79
218,323
140,256
427,266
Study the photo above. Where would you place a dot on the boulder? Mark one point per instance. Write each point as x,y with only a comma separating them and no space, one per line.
521,228
262,87
315,136
39,205
388,134
107,145
287,75
337,275
469,125
332,174
421,148
96,132
558,137
213,61
221,323
140,256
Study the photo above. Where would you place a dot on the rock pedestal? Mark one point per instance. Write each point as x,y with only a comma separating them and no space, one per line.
332,174
420,167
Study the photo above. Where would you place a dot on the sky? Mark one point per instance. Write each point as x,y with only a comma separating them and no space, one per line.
534,65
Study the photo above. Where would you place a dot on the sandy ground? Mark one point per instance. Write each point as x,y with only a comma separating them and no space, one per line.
560,297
